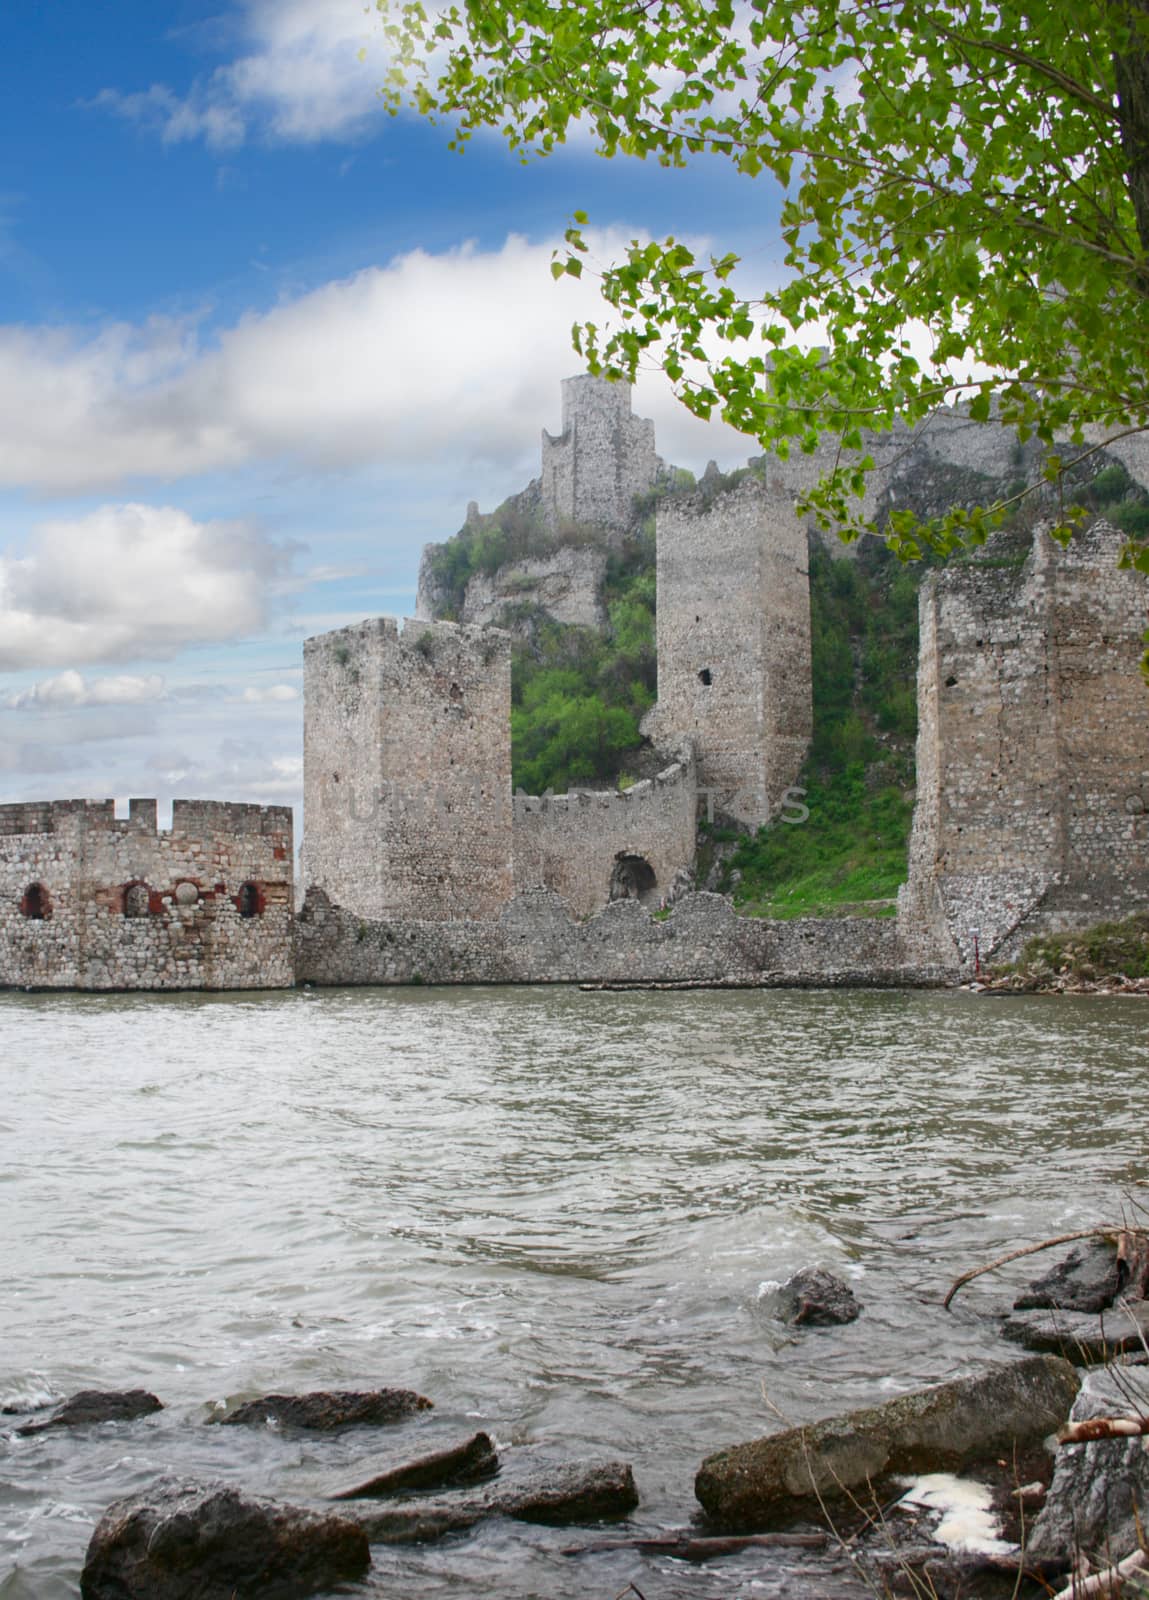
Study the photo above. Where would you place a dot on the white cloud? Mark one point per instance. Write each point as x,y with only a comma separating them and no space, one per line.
71,689
276,694
433,358
132,580
298,78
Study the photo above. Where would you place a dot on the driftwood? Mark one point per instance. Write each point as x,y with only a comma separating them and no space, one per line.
1103,1428
1031,1250
1133,1263
685,1547
1103,1583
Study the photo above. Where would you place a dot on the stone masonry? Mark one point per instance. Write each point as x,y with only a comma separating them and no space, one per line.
1033,749
601,460
592,847
734,642
89,901
407,769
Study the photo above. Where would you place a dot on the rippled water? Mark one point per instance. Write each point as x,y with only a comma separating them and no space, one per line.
552,1212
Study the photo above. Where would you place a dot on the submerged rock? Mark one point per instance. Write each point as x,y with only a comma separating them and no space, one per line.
757,1484
573,1491
1086,1340
814,1298
96,1405
185,1540
326,1410
443,1469
1087,1280
1098,1489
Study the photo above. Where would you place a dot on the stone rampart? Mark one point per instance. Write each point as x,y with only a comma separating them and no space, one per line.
601,460
535,940
407,769
1033,748
593,846
734,642
92,901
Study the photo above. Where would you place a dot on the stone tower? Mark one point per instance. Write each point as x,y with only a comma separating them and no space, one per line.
734,642
1033,748
407,769
603,458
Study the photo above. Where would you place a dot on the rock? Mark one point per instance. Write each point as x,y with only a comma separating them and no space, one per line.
445,1469
815,1299
1085,1281
183,1540
326,1410
574,1491
96,1405
1096,1487
755,1485
1084,1339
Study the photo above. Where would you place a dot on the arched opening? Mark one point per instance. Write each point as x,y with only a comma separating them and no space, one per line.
137,900
35,904
249,900
632,879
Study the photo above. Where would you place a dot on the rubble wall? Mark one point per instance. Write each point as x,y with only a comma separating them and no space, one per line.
601,460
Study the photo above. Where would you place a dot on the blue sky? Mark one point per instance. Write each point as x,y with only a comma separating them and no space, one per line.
259,342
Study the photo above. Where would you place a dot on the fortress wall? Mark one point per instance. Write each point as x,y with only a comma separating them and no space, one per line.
407,769
574,843
734,642
535,940
91,902
1033,748
603,458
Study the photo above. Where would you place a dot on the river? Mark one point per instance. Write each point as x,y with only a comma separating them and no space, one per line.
552,1212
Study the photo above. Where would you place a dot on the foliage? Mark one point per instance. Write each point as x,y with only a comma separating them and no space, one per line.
852,848
1102,951
975,169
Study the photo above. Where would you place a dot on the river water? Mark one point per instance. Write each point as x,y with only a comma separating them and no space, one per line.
552,1212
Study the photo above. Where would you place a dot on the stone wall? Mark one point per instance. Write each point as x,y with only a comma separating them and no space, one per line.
566,585
734,642
1033,748
601,460
535,940
594,846
407,769
91,902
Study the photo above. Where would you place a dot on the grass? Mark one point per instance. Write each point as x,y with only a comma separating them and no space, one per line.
1107,950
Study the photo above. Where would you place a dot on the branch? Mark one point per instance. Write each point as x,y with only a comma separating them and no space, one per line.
1026,1250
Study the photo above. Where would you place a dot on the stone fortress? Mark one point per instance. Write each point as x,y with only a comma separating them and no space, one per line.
420,864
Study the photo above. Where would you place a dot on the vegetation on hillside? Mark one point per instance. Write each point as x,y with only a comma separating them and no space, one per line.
1107,950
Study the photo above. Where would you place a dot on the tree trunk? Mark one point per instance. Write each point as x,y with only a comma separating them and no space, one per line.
1131,65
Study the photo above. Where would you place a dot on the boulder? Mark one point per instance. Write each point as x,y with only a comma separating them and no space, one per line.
324,1410
574,1491
758,1484
186,1540
1087,1280
814,1298
96,1405
1098,1489
1081,1337
443,1469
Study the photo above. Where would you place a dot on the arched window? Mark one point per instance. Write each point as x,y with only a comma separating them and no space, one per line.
35,904
249,900
632,879
137,900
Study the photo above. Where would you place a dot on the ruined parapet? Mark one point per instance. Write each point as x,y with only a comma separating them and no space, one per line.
92,901
595,846
407,769
567,586
1033,749
734,643
601,460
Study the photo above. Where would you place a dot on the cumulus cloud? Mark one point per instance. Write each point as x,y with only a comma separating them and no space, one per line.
132,580
306,71
455,356
70,689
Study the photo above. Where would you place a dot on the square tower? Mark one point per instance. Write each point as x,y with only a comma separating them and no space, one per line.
407,769
603,458
734,642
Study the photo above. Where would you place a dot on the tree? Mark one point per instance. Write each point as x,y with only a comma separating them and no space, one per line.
978,168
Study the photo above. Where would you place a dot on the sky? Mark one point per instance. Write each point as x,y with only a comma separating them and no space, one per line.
259,343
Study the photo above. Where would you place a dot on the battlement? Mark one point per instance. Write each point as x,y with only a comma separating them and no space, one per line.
189,817
603,458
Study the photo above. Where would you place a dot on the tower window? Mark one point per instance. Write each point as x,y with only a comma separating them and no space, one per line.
35,904
137,900
249,900
706,677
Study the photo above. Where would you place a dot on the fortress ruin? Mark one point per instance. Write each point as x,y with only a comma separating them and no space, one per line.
421,865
